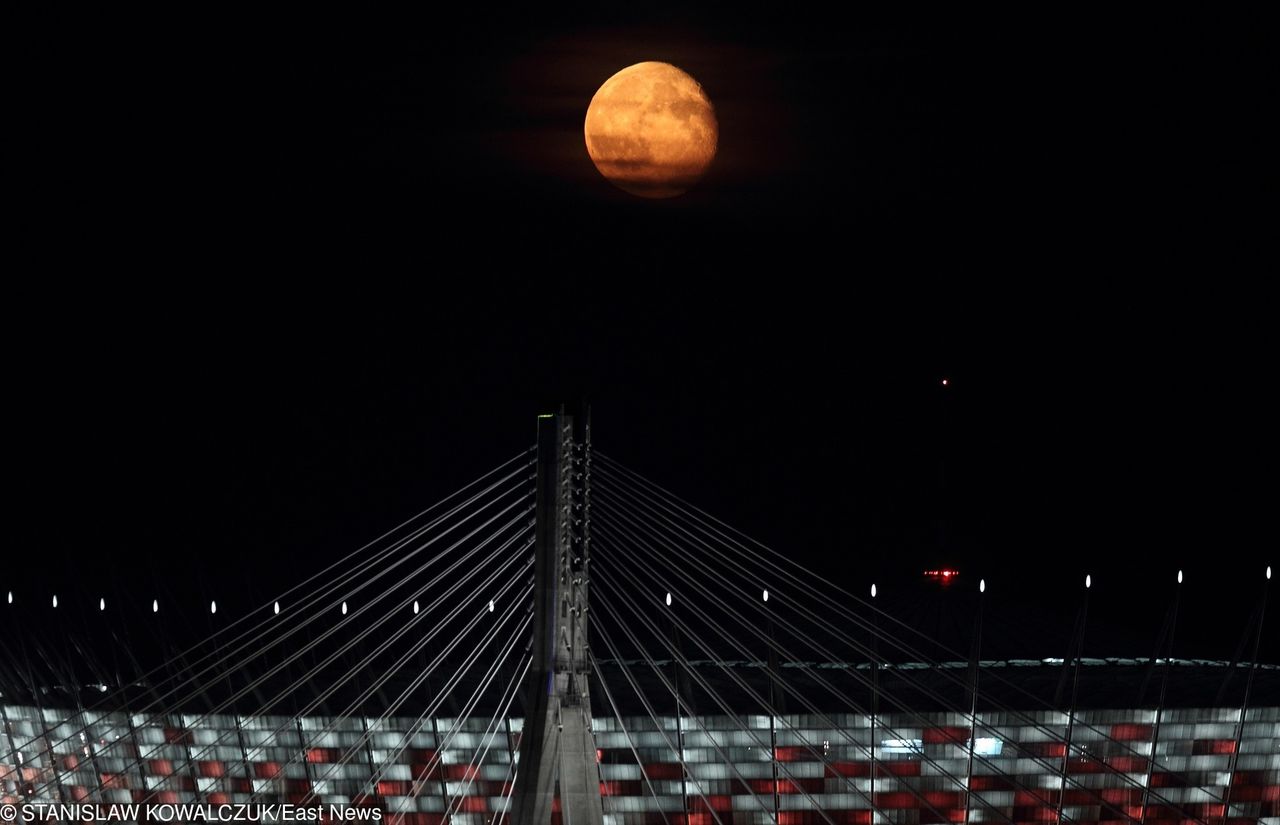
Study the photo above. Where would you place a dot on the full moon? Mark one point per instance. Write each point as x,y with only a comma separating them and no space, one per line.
651,130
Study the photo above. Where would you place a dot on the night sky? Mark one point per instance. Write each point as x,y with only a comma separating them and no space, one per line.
291,280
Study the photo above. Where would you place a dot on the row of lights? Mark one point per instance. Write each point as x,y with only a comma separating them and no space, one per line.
982,588
213,605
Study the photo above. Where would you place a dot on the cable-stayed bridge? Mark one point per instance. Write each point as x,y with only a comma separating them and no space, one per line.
564,640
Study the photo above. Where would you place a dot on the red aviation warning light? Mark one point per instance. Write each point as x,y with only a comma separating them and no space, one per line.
943,576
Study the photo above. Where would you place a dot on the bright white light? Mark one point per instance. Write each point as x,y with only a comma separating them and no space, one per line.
155,605
491,605
11,592
944,382
668,600
987,746
1268,579
1179,577
102,604
766,595
415,607
344,608
276,609
873,591
213,607
982,585
1088,582
55,600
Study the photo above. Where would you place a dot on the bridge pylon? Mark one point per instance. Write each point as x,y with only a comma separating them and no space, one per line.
557,748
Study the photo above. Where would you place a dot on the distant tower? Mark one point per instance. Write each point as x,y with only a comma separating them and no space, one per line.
557,743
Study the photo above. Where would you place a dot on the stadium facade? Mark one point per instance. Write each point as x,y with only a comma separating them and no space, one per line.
1186,766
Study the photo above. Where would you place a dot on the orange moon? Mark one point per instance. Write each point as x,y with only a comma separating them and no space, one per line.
651,130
